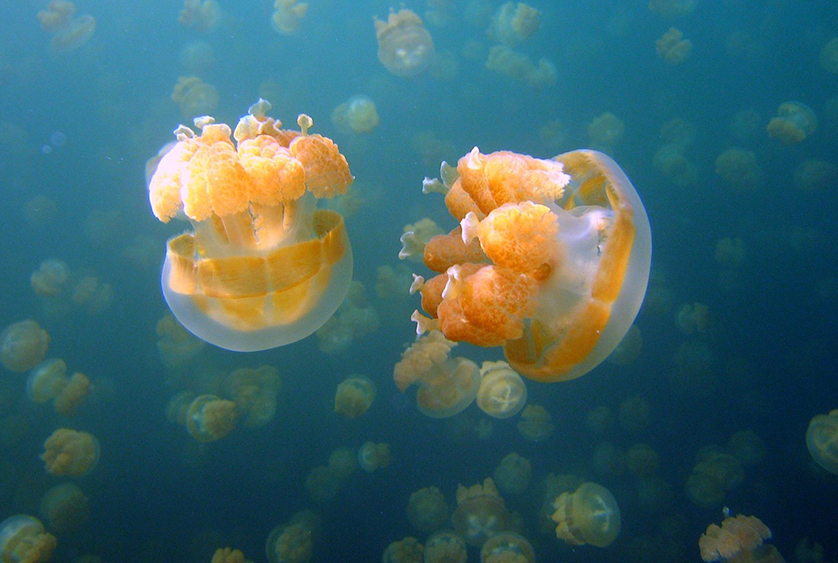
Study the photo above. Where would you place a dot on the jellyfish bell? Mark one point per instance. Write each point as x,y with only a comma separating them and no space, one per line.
822,440
502,392
405,47
24,540
588,515
480,512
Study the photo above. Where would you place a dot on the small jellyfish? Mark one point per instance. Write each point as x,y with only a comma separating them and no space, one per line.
210,418
739,169
357,114
405,47
65,508
513,474
822,440
671,9
293,541
24,540
46,380
70,453
734,541
427,509
606,130
642,460
203,15
227,555
288,16
507,547
672,47
480,512
445,547
72,394
23,345
514,23
535,424
74,35
588,515
374,456
194,96
408,550
255,393
815,176
343,462
322,484
714,474
502,392
829,56
176,345
354,396
50,279
794,122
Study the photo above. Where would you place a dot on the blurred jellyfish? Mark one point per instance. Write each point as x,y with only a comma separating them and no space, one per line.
794,122
357,114
427,510
354,396
228,555
514,23
354,318
72,394
642,460
288,16
608,459
674,165
480,513
343,462
50,279
24,540
692,317
176,345
588,515
445,547
829,56
293,541
255,391
502,391
747,447
416,236
599,419
203,15
46,380
23,345
815,176
507,547
177,409
822,440
730,252
535,424
405,47
507,62
408,550
714,474
65,508
196,57
634,414
392,283
606,130
739,169
513,474
194,96
70,453
57,15
671,9
77,32
673,48
322,484
92,295
736,539
374,456
210,418
440,13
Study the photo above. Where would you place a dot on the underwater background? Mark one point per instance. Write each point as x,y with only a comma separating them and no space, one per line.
738,328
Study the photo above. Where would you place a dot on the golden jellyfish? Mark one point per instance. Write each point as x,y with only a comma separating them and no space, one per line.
674,165
178,407
405,47
606,130
480,513
672,47
815,176
747,447
427,509
176,345
197,57
507,547
70,453
714,474
355,318
293,542
264,267
735,541
357,114
77,32
46,380
822,440
588,515
227,555
210,418
255,393
194,97
57,15
288,16
535,424
502,392
642,461
408,550
72,394
50,279
445,547
23,345
343,462
739,169
513,475
545,226
354,396
829,56
514,23
794,122
692,317
374,456
24,540
671,9
446,385
506,61
92,295
203,15
65,508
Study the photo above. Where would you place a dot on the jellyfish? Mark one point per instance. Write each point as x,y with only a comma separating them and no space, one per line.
671,161
72,394
747,447
92,295
405,47
24,540
545,226
673,48
293,541
634,414
374,456
354,396
210,418
70,453
263,268
322,484
58,15
588,515
203,15
513,474
794,122
357,114
445,547
227,555
739,169
730,252
692,317
343,462
815,176
599,419
480,512
506,61
178,407
502,392
255,392
288,16
76,33
535,424
194,97
23,345
427,509
65,508
355,318
46,380
408,550
50,279
507,547
642,460
606,130
735,541
514,23
176,345
714,474
446,385
829,56
822,440
671,9
196,57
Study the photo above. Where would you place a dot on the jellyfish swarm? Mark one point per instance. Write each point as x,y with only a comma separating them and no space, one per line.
566,249
822,440
588,515
263,268
405,47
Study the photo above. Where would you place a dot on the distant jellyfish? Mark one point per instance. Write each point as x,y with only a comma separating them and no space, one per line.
445,547
354,396
829,56
514,23
815,176
46,380
211,418
513,474
194,96
535,424
70,452
480,512
65,508
606,130
407,550
196,57
673,48
822,440
76,34
288,16
293,541
794,122
427,509
405,47
357,114
24,540
203,15
374,456
50,278
588,515
671,9
23,345
739,169
505,547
